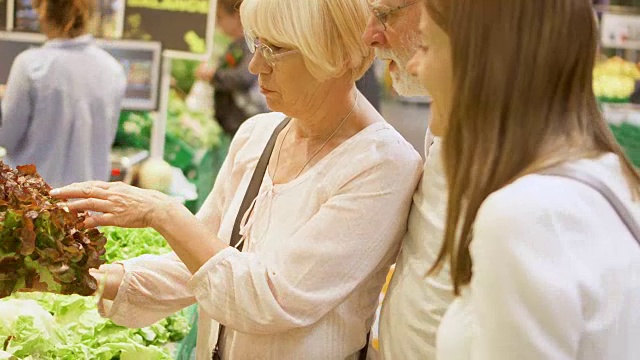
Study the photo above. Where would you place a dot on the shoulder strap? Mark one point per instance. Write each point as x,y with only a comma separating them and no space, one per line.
585,178
256,182
249,196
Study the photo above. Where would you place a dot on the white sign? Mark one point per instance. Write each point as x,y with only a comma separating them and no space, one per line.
620,31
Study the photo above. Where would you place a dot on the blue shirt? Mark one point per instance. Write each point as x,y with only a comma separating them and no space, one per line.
61,110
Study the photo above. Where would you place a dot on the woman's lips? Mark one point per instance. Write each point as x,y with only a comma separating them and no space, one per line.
265,91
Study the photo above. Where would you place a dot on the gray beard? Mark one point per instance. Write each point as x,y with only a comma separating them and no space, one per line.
404,83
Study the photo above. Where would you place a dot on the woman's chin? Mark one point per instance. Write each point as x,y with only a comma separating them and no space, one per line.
274,106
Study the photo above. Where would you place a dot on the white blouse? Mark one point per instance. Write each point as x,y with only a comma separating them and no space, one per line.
556,275
306,285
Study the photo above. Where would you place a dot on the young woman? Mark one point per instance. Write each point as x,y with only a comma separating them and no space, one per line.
543,267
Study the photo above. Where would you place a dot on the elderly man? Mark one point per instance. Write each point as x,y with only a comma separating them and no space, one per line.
415,302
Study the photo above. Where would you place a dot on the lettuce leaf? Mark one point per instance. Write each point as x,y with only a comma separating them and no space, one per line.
50,326
40,241
126,244
59,327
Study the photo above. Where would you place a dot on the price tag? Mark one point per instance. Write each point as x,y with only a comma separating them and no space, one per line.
620,31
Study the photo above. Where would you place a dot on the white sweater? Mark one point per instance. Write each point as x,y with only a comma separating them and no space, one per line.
318,251
556,275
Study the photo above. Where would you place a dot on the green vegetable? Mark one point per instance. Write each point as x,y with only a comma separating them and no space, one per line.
49,326
125,244
134,130
198,129
57,327
183,71
40,241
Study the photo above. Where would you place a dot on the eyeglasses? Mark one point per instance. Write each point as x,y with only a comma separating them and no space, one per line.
383,14
270,55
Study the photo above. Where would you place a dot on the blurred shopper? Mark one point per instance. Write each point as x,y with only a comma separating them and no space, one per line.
318,239
62,102
237,93
414,303
544,264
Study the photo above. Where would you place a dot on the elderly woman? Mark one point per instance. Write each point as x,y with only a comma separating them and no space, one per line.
324,228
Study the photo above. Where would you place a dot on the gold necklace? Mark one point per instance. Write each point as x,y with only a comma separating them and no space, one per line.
275,172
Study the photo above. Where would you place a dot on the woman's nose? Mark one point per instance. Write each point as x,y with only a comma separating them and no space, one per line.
258,65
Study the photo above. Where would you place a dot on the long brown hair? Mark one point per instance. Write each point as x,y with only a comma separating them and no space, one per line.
70,17
523,101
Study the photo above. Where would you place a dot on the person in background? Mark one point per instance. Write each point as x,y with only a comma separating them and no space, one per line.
325,227
62,101
237,95
543,266
414,302
369,86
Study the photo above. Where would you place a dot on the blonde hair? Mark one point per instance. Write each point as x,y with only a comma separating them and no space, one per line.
326,32
523,102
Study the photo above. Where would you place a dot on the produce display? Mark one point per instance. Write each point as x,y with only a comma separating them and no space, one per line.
194,141
134,130
182,70
188,132
48,326
37,326
40,241
196,128
614,80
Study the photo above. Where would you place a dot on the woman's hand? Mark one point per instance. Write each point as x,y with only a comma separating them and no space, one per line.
109,277
123,205
116,204
205,72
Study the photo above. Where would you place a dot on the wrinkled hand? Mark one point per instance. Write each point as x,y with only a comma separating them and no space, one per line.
205,72
115,204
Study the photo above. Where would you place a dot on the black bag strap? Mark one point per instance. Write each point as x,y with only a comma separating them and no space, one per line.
249,196
598,185
255,183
